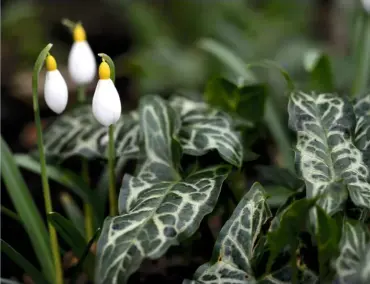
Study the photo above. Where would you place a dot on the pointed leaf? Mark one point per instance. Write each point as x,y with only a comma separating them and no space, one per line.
157,208
352,265
204,129
234,248
327,159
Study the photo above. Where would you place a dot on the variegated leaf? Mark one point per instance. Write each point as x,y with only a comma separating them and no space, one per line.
157,207
204,129
79,133
233,251
284,276
362,130
353,263
327,159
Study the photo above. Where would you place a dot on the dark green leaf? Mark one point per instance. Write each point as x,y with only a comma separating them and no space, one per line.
328,237
23,263
73,212
27,210
292,221
251,104
222,94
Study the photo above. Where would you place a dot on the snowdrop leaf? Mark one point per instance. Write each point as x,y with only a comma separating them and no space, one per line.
353,263
157,207
77,133
362,130
205,129
327,159
234,248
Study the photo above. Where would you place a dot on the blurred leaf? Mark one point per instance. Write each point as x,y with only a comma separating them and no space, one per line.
22,262
279,176
224,54
73,212
251,104
277,195
27,210
223,94
328,237
319,66
62,176
68,232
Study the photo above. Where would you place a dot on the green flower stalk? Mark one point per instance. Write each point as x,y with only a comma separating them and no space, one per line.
106,106
45,184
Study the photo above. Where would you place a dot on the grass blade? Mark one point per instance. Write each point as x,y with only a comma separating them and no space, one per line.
27,210
10,214
15,256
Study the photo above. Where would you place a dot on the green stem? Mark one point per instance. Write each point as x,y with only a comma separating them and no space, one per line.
81,94
88,213
112,180
362,55
44,178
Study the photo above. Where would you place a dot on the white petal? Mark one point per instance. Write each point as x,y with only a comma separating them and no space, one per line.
55,91
106,104
366,4
81,63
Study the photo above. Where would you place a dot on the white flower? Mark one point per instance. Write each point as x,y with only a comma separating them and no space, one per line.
106,104
81,60
366,4
55,88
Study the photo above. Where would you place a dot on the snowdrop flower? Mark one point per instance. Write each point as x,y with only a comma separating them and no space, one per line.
81,60
106,104
55,88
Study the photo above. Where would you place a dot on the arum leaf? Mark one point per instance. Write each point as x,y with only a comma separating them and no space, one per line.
157,208
234,248
77,133
353,265
204,129
362,130
327,159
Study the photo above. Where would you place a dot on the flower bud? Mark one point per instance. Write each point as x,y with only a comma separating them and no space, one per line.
81,60
55,88
106,104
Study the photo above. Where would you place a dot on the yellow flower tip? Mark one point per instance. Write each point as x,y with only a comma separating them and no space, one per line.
104,71
51,63
79,33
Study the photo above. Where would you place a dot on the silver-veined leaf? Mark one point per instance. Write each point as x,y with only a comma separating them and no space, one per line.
353,263
157,207
362,130
326,156
204,129
78,133
234,248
